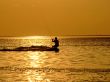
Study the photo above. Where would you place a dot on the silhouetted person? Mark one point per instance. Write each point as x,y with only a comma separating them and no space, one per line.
56,41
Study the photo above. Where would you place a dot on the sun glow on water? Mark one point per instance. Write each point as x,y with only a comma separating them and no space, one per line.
36,59
36,37
34,76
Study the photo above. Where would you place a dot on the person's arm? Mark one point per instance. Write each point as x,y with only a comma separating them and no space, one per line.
52,40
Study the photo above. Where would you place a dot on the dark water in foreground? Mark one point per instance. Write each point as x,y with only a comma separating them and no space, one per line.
79,60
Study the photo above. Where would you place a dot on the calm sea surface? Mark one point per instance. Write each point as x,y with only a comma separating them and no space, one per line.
79,60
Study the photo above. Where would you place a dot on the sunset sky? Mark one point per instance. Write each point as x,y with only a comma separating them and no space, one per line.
54,17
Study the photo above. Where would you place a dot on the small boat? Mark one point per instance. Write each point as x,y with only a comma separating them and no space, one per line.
32,48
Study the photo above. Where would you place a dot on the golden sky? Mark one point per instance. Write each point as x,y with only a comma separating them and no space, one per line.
54,17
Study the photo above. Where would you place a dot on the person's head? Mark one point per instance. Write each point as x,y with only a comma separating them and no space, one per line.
55,38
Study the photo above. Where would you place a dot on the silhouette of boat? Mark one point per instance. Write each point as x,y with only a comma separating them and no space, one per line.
32,48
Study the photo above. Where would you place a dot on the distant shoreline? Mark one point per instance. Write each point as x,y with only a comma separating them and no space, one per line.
53,35
50,37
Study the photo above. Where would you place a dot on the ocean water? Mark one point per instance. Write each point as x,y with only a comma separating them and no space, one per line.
79,60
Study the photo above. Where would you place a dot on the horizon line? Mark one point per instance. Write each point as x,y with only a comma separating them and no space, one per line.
53,35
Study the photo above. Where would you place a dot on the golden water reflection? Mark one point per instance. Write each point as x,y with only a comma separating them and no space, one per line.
33,76
36,60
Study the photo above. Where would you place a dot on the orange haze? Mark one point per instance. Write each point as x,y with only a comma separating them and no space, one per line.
54,17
